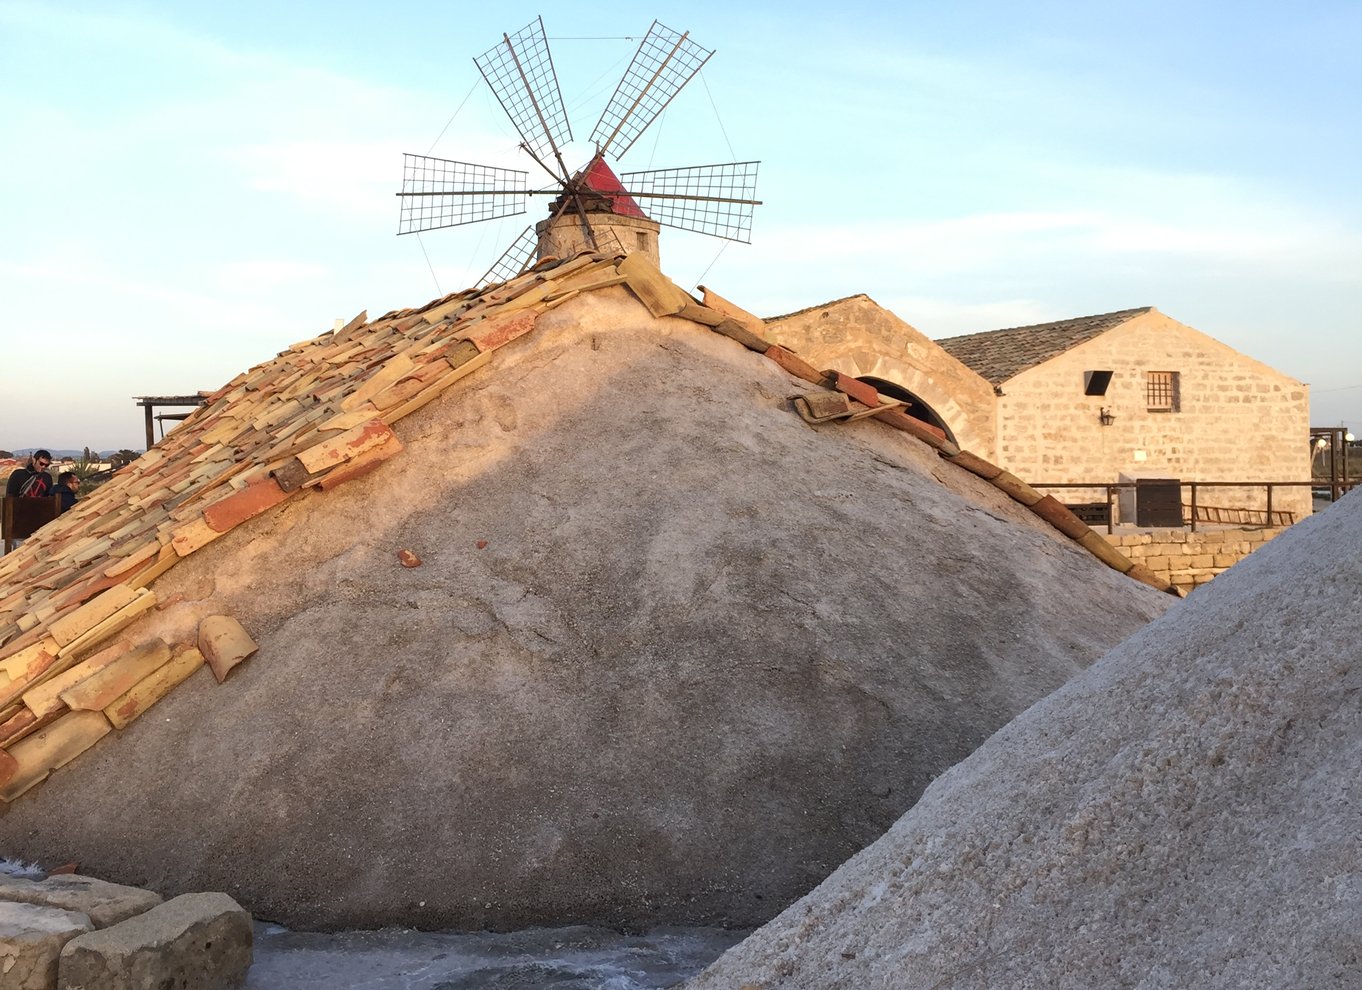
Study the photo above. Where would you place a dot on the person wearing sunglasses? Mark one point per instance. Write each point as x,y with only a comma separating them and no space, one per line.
68,487
32,479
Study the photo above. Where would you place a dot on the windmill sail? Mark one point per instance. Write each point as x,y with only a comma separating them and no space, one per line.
514,260
708,199
439,193
665,61
593,209
520,73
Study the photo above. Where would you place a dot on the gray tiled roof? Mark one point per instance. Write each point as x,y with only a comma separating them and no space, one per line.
998,355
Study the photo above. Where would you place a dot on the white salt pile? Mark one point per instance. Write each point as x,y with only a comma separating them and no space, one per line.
670,656
1185,813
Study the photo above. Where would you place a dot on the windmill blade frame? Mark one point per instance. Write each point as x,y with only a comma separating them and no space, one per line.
594,209
707,199
665,61
439,192
513,261
520,72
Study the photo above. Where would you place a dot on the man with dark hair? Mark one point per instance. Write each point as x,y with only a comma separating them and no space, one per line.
68,483
32,479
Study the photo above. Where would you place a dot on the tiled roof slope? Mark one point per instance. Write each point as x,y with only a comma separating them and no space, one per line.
998,355
317,415
809,309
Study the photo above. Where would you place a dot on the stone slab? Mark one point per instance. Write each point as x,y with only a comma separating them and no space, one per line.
31,941
194,940
103,903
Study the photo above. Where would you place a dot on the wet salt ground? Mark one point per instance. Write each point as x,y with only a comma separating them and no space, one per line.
576,958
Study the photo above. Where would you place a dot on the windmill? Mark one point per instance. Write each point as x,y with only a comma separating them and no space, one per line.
592,207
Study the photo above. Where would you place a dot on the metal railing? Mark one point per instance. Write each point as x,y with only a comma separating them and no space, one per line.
1335,489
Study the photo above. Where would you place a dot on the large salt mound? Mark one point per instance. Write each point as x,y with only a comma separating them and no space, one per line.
706,653
1184,814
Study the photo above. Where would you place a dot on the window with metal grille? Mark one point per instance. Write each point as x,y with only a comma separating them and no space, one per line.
1161,391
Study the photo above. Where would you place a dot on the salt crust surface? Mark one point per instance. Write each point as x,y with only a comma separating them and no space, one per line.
671,656
1186,813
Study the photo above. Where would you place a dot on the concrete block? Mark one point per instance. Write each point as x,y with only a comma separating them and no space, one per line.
31,941
195,940
103,903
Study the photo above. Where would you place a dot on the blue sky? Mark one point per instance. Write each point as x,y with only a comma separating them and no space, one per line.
187,189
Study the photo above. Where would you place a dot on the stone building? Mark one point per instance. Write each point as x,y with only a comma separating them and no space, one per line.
1119,397
859,337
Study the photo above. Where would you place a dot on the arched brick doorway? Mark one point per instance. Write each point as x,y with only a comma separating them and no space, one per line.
914,406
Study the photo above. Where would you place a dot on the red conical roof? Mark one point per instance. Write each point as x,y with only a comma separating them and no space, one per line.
599,177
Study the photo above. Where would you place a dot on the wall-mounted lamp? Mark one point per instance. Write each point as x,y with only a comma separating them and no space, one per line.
1106,416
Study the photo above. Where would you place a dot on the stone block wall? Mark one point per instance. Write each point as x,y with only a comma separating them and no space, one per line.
858,337
1236,418
1186,559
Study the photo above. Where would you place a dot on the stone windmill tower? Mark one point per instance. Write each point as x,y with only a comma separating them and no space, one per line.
593,208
